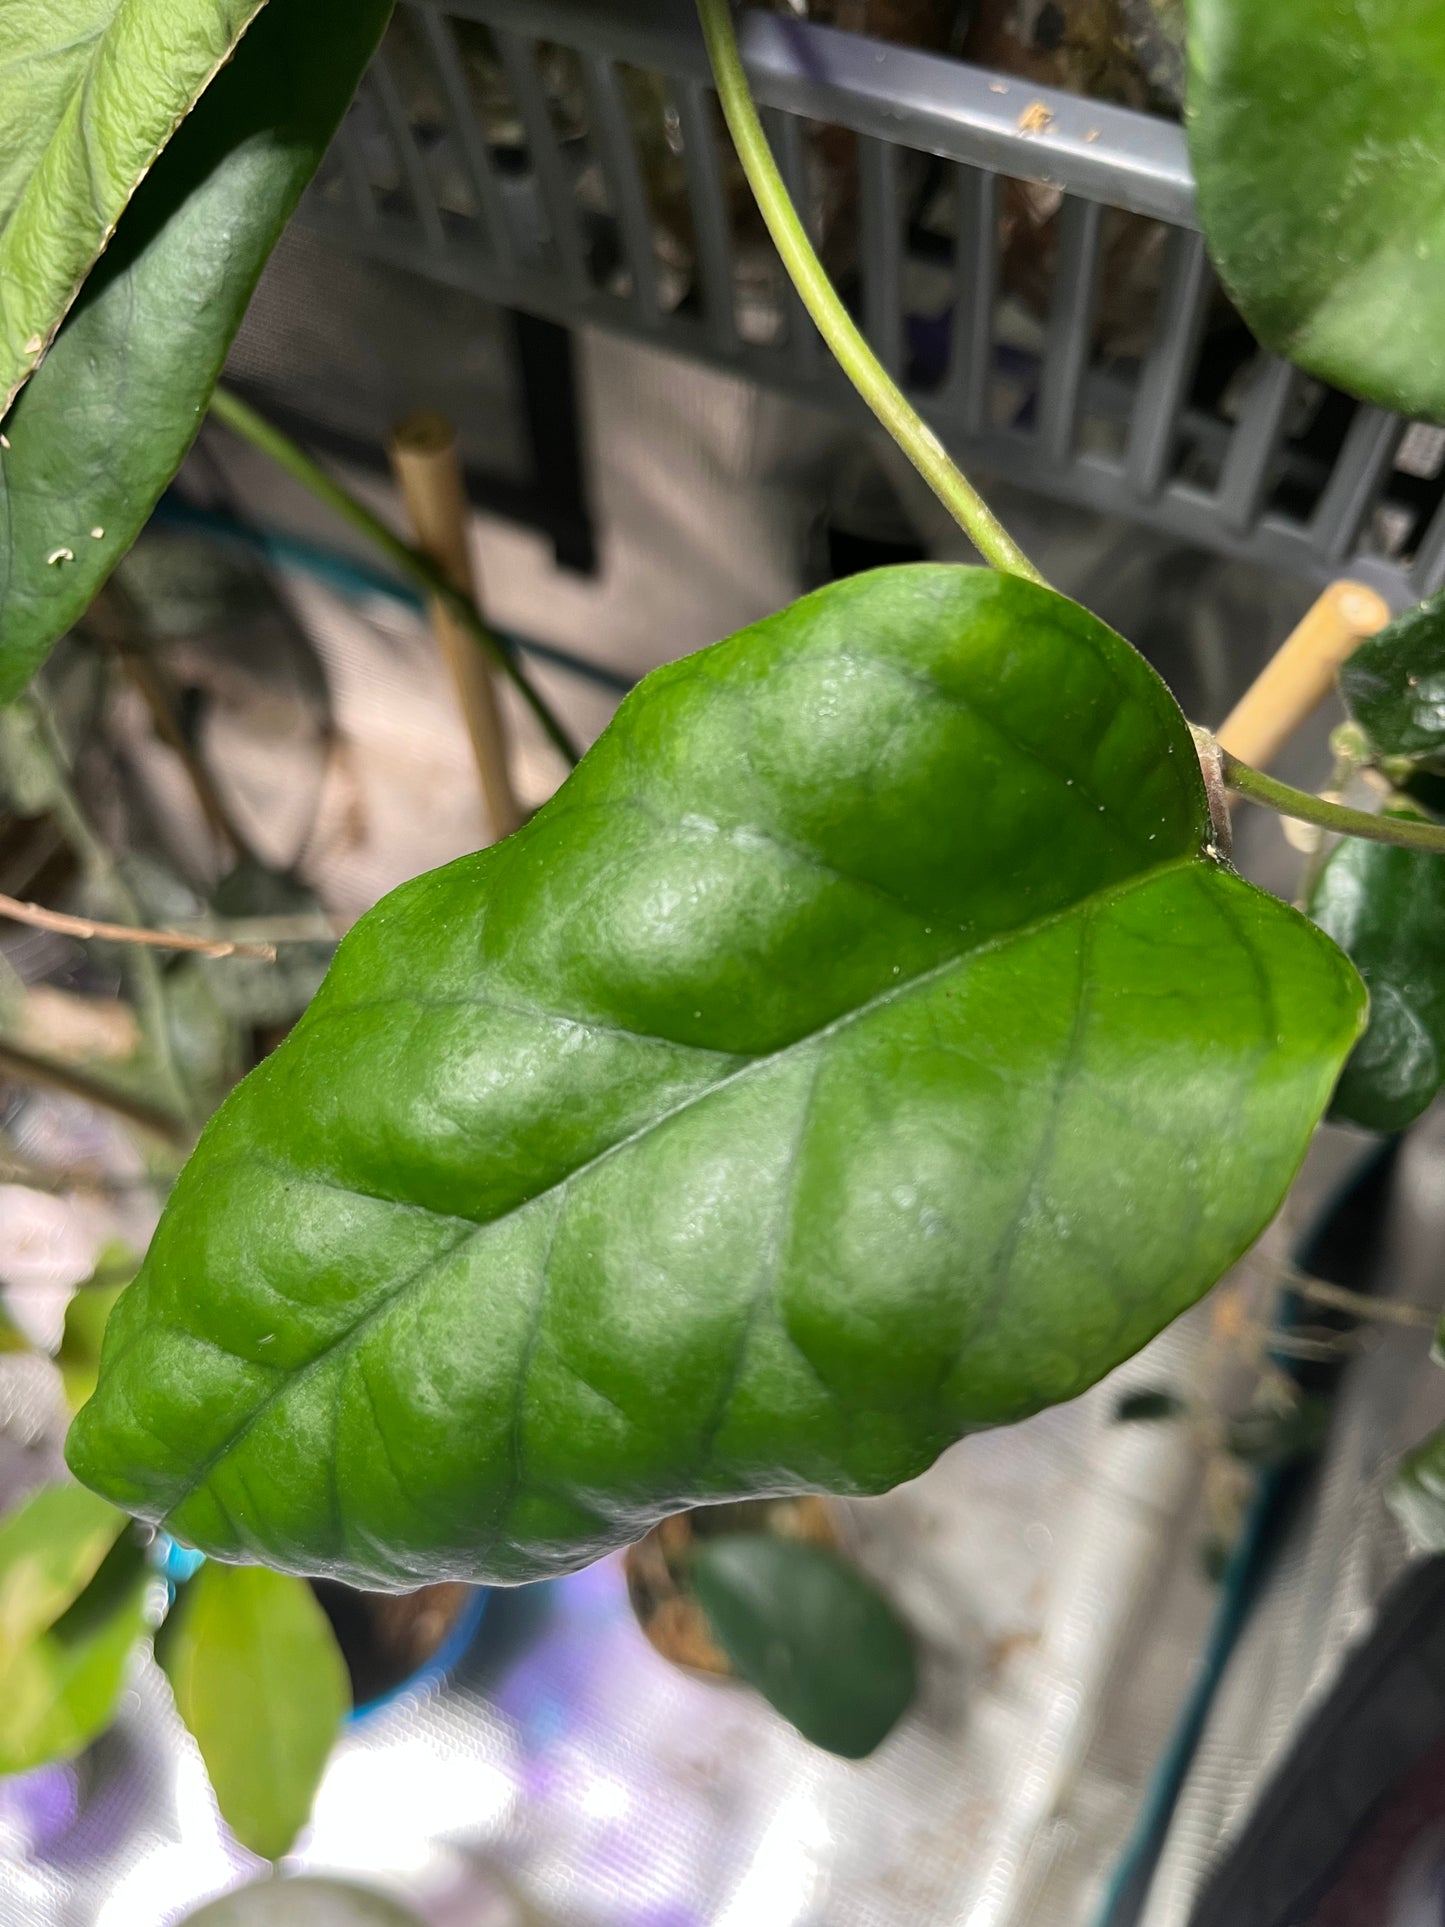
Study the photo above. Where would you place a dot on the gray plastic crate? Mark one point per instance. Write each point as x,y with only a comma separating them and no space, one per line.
1194,429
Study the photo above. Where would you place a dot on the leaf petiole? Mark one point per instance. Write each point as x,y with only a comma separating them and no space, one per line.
834,323
1408,833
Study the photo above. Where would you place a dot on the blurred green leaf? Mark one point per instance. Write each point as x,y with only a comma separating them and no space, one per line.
104,422
85,1316
1276,1437
1417,1494
1394,683
1385,907
260,1682
817,1639
51,1547
1316,132
73,1600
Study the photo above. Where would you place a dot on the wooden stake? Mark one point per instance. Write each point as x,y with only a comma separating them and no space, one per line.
424,461
1301,672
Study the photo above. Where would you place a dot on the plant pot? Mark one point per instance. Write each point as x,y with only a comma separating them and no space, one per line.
394,1643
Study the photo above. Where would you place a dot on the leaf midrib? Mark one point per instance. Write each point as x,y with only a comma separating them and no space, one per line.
353,1333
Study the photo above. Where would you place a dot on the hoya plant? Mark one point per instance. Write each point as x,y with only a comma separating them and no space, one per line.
869,1042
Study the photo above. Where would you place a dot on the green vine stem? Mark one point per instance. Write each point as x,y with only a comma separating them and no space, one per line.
1407,832
834,323
244,421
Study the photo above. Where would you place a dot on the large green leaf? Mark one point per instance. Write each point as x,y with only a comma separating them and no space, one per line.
73,1600
1394,683
1385,907
105,421
260,1681
90,92
859,1048
820,1643
1316,129
1417,1494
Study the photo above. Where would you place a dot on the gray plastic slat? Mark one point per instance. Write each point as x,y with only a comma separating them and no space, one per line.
882,243
476,157
922,100
785,137
413,168
547,163
1071,324
1362,465
355,171
1163,386
707,198
964,395
624,180
1255,441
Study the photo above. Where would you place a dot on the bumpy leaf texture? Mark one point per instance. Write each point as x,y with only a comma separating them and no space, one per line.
90,91
106,419
1394,683
1316,129
860,1048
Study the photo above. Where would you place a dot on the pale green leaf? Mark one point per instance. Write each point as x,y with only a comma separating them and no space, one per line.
260,1682
90,92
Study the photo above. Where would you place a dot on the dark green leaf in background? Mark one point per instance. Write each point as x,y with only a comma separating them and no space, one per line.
73,1597
1385,907
1316,128
1394,683
817,1639
105,421
90,91
260,1682
857,1050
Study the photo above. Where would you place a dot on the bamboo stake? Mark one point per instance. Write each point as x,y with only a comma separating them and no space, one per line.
424,461
1301,672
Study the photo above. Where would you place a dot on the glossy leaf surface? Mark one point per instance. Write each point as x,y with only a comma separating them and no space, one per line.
1385,907
73,1595
1394,683
90,91
857,1050
817,1639
260,1682
1316,129
105,421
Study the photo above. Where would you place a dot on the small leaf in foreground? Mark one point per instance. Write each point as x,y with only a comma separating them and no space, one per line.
261,1683
813,1635
1316,132
1394,683
72,1621
1385,908
859,1049
90,91
104,422
51,1547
